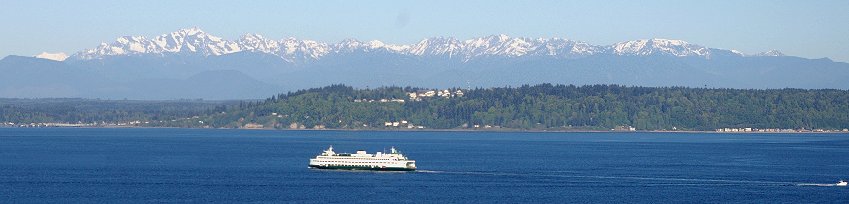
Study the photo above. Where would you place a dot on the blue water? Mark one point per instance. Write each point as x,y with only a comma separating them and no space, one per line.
196,165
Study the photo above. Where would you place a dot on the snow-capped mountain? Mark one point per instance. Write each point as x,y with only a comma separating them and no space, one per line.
437,46
184,41
52,56
771,53
290,49
499,45
676,48
194,41
193,63
258,43
565,48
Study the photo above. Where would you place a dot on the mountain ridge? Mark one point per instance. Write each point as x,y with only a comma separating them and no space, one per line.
196,41
195,64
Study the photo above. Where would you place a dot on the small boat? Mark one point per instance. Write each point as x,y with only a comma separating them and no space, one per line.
840,183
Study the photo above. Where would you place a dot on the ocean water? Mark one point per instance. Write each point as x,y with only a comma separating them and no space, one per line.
197,165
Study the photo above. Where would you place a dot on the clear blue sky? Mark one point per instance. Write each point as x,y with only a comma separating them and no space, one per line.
812,29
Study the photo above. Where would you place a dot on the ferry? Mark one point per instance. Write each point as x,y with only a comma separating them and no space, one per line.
362,160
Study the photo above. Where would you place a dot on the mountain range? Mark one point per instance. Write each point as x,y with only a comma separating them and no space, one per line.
190,63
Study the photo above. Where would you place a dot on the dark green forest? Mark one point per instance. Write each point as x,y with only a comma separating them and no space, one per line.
76,110
546,106
538,107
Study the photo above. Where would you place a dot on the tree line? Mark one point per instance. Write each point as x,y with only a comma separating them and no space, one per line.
76,110
543,106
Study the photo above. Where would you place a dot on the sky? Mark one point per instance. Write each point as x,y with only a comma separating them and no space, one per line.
810,29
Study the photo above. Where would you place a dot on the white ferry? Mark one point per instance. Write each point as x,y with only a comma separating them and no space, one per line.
392,161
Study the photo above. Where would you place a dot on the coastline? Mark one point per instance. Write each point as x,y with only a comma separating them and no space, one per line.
505,130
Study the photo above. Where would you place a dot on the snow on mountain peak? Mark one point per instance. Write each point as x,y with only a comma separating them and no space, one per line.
191,31
194,41
738,52
292,49
771,53
503,37
61,56
185,41
497,45
348,45
257,43
436,46
375,44
678,48
558,47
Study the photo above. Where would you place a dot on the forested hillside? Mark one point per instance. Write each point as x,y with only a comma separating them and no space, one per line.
545,106
75,110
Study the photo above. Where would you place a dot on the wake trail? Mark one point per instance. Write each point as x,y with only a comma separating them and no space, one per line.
428,171
819,184
682,181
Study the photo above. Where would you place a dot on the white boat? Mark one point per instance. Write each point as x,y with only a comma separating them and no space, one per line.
841,183
362,160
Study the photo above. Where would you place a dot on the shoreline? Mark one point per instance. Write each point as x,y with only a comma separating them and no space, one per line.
438,130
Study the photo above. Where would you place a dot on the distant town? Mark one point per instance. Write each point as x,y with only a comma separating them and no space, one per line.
403,124
777,130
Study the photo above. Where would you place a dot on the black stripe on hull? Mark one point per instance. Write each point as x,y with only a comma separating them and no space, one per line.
362,168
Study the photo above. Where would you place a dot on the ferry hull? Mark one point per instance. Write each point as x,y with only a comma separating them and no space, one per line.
363,168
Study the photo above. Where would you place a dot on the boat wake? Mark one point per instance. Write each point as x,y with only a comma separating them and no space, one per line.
817,184
619,179
428,171
840,183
